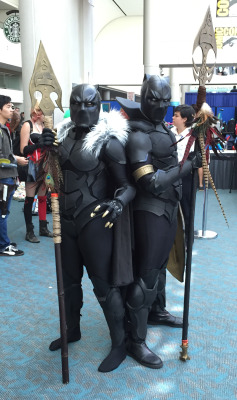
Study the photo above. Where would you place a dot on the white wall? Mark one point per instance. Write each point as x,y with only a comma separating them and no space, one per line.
118,57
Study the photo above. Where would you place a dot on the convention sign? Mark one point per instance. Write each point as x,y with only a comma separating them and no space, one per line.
226,8
225,36
11,28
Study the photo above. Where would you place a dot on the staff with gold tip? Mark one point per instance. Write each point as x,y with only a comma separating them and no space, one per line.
205,131
44,81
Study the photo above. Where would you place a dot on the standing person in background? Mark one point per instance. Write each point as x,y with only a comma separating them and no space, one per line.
30,147
182,121
8,177
234,89
14,123
22,115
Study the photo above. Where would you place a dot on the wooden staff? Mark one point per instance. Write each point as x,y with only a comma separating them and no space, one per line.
44,80
206,40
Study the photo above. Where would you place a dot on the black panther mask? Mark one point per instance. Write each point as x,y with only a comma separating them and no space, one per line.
85,104
155,97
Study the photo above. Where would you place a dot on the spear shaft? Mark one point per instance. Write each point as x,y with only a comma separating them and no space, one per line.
44,80
61,304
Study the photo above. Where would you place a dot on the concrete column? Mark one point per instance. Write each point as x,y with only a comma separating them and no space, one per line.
184,89
152,23
106,94
86,26
175,86
63,27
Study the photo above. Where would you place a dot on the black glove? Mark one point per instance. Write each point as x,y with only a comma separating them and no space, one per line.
47,137
113,207
196,158
30,149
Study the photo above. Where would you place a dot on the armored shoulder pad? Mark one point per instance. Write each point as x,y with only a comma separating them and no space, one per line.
115,151
138,147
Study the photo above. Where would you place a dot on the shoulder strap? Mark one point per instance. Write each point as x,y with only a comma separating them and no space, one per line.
31,125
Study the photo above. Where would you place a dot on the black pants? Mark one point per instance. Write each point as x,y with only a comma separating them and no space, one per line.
154,238
90,246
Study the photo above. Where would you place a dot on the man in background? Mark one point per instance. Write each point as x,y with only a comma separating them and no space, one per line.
8,177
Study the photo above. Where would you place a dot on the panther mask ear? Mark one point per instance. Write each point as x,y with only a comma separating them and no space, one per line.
146,77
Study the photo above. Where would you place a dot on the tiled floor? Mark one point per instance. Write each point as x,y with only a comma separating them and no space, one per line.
29,321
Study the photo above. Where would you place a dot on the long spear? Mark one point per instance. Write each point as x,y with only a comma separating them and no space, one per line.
206,40
44,81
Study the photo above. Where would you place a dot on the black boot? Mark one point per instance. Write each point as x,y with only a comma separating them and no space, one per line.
30,236
73,299
73,335
158,314
43,229
113,308
139,301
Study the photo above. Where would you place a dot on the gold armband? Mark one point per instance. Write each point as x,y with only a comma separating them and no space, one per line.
146,169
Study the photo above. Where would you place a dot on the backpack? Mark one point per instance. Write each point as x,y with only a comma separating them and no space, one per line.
16,141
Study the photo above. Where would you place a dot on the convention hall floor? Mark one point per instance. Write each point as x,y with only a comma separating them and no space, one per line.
29,321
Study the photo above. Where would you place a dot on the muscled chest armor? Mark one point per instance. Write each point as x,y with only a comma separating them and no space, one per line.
158,142
155,144
85,179
163,154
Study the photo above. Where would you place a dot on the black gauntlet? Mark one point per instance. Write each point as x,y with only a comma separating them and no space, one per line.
47,138
161,180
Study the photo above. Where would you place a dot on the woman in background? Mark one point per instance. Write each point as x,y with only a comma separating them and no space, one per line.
30,147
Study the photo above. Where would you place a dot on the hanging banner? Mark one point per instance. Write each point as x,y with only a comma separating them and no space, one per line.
11,28
226,8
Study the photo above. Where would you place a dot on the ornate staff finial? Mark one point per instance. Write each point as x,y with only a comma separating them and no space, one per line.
206,40
44,81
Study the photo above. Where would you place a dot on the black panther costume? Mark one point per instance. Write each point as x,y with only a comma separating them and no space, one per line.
93,163
153,160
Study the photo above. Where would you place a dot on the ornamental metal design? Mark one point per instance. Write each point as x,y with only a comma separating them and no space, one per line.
44,81
11,28
206,40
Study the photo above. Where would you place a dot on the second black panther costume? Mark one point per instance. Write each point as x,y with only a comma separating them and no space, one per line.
153,160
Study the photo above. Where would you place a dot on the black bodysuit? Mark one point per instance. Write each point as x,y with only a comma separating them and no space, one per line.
155,216
89,181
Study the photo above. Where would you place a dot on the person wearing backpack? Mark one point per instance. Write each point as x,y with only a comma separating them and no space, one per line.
30,147
8,177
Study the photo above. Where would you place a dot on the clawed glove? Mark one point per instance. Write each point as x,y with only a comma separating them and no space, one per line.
47,138
196,158
113,207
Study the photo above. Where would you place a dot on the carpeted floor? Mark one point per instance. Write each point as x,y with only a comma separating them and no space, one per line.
29,321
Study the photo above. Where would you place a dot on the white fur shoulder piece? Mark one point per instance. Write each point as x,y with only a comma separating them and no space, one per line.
111,124
63,128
